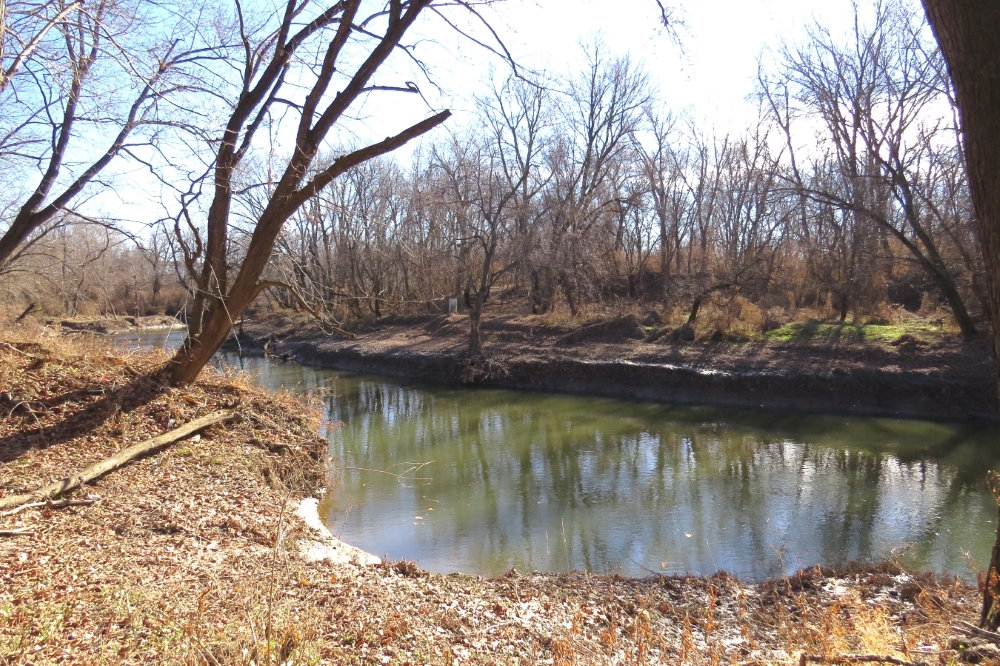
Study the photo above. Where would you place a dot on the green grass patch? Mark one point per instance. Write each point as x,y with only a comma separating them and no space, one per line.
818,331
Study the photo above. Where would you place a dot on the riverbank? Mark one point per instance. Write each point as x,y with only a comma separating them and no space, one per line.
195,554
115,325
824,369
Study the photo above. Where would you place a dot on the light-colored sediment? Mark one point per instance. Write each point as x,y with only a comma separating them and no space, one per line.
321,545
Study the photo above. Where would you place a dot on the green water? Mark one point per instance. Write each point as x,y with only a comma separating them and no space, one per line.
480,481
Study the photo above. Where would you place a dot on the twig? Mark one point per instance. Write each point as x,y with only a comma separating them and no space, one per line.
17,531
50,504
855,659
114,462
20,351
971,630
416,467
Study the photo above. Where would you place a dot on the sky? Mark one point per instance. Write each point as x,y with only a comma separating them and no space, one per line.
709,72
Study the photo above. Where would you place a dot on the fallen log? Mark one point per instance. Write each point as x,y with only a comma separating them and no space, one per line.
27,311
58,488
971,630
855,659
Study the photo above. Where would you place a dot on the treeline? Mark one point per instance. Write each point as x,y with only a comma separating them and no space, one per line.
847,195
79,267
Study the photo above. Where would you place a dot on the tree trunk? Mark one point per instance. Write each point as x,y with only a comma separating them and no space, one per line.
535,295
475,341
989,619
967,33
197,352
957,305
693,314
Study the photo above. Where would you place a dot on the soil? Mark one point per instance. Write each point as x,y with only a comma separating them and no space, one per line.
951,378
116,325
195,555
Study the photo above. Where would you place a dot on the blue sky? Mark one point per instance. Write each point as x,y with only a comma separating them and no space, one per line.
708,76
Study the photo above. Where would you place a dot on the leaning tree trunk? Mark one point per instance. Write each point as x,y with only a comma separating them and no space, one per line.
967,33
989,618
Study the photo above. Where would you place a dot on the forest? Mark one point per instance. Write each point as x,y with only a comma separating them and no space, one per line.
575,193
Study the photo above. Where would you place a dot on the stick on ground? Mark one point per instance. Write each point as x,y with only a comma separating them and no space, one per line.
854,659
58,488
48,504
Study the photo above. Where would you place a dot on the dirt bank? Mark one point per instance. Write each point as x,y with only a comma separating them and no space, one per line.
195,555
941,377
114,326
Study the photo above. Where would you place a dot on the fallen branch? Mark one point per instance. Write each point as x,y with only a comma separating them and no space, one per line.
49,504
17,531
972,631
14,349
27,311
855,659
58,488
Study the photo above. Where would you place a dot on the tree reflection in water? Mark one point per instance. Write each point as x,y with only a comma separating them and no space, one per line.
553,483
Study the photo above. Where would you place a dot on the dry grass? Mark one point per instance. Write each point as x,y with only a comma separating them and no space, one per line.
190,556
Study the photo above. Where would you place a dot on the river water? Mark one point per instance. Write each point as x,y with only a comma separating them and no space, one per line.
479,481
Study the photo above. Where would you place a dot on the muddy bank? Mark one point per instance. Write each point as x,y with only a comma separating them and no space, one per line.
191,556
949,379
115,326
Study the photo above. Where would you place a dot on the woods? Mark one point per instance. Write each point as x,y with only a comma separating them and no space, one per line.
847,196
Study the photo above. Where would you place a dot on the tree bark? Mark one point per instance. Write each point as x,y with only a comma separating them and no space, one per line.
967,33
988,618
475,340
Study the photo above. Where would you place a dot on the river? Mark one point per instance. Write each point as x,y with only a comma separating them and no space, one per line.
479,481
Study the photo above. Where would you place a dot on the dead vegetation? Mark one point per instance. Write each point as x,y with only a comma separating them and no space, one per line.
189,556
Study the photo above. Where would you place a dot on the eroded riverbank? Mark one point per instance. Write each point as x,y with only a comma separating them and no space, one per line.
949,380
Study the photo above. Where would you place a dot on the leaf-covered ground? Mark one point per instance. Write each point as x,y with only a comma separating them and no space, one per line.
191,555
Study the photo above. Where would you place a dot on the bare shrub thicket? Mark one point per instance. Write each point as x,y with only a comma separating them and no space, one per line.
75,268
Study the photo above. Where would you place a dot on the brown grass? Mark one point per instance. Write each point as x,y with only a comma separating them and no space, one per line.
190,555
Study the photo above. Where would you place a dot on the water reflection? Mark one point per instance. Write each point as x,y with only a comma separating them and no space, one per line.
480,481
555,483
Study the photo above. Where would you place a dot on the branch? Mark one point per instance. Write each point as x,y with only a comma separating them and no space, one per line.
327,326
346,162
972,631
855,659
49,504
26,52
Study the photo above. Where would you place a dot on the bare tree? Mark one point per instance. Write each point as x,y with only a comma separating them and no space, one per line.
78,74
663,165
874,97
270,62
743,218
600,114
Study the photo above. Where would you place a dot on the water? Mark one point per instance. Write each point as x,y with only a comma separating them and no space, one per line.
482,480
